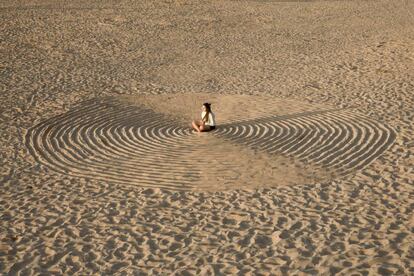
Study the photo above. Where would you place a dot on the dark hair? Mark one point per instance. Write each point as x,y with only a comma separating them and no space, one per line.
208,110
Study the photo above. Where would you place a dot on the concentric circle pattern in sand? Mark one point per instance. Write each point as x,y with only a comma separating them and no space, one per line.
338,140
130,144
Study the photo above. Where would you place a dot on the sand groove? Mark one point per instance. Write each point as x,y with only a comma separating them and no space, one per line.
136,145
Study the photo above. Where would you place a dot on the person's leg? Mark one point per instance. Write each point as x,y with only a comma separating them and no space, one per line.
205,127
202,126
196,126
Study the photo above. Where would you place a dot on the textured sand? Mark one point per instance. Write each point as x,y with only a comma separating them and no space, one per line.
313,172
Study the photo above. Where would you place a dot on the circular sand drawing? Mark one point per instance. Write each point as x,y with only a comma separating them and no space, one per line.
147,141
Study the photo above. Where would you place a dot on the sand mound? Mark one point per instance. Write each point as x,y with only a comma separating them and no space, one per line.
147,141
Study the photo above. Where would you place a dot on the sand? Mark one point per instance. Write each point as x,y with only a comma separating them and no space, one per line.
312,167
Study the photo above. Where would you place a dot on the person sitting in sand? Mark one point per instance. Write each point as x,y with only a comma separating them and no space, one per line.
207,121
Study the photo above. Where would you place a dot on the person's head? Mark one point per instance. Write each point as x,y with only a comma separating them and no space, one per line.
207,107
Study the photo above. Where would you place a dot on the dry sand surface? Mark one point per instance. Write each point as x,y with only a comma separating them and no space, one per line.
309,172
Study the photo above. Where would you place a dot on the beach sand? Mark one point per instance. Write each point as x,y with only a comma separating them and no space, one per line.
310,171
